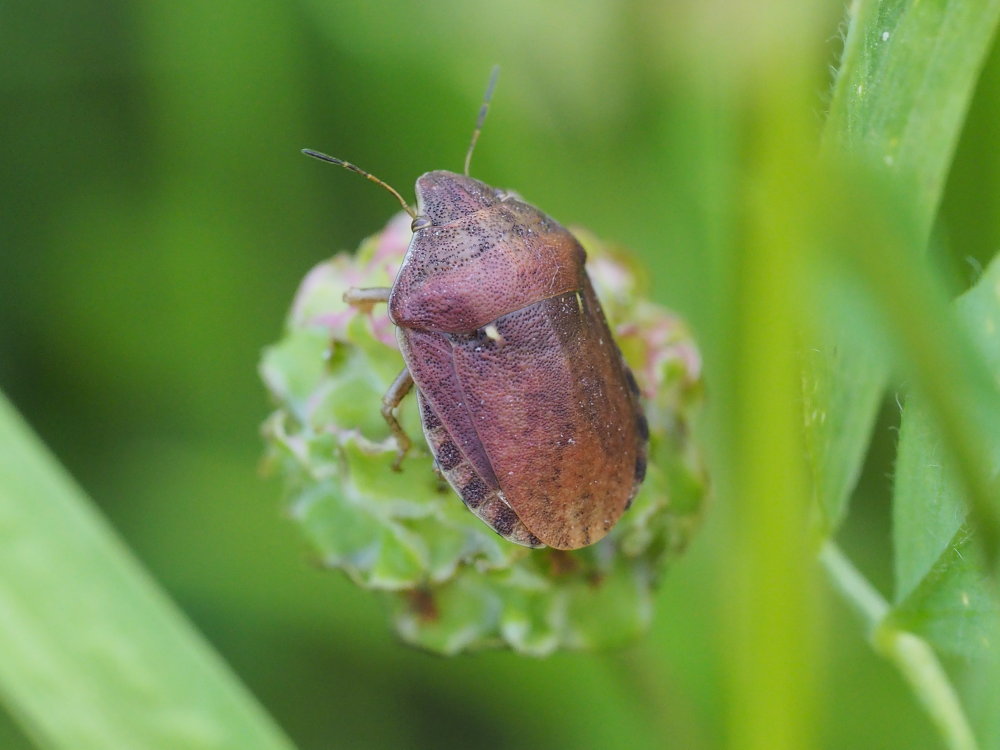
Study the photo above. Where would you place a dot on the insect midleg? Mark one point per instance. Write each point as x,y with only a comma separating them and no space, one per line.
392,398
366,299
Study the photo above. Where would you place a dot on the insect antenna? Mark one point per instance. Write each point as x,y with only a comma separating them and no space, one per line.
367,175
482,116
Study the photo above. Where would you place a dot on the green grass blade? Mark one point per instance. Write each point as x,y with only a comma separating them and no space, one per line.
908,72
906,78
94,656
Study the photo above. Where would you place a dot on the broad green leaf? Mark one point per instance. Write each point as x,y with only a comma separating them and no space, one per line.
940,592
927,506
842,389
907,75
94,655
952,606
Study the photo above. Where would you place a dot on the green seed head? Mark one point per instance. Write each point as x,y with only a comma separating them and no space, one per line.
451,582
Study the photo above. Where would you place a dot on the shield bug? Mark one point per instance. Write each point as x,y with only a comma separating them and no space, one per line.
530,411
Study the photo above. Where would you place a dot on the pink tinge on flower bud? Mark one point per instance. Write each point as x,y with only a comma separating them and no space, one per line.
383,329
335,322
610,276
664,339
392,244
318,301
671,342
323,284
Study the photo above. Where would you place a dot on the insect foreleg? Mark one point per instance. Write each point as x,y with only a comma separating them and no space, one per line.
366,299
392,398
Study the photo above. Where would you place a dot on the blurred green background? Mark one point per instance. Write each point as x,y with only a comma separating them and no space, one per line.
155,218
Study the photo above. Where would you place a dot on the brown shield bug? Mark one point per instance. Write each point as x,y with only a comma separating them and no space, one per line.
526,403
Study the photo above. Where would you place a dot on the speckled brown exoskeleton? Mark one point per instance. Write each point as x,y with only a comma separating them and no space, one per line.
527,405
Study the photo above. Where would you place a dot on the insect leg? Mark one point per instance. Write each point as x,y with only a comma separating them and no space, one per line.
392,398
366,299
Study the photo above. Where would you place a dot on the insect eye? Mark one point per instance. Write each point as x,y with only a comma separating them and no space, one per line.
421,222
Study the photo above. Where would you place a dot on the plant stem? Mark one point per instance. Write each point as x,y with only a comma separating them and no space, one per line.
912,655
853,586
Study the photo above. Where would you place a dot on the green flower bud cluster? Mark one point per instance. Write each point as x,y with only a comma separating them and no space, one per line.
451,583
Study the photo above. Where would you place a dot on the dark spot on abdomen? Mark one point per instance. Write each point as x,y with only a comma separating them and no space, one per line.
431,421
504,520
448,456
632,385
640,469
642,426
475,492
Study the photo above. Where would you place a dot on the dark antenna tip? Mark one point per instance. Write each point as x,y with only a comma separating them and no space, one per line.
358,170
322,157
494,74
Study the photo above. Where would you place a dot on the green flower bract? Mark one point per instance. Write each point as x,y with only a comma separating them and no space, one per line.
452,584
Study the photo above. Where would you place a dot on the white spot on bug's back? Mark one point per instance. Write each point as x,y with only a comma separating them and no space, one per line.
885,36
493,334
860,89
